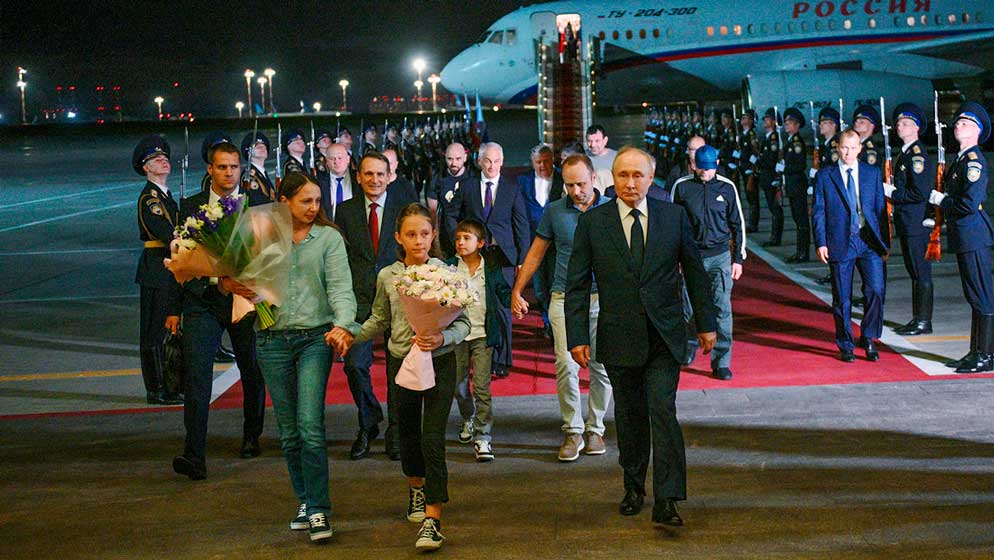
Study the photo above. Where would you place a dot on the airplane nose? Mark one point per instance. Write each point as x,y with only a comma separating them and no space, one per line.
452,74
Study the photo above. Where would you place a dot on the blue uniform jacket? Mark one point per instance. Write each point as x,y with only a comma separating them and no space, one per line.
965,184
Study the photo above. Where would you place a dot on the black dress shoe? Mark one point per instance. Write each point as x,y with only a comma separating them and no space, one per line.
250,447
664,513
972,355
847,356
801,259
871,351
915,328
360,447
824,280
223,355
191,467
172,398
690,352
500,372
393,451
858,301
631,504
979,363
722,373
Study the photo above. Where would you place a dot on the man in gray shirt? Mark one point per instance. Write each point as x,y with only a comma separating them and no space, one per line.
601,156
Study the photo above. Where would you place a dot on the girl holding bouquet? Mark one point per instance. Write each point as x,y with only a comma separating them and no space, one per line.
293,355
422,415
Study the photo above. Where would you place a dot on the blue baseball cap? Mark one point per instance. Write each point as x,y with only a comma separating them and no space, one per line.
706,158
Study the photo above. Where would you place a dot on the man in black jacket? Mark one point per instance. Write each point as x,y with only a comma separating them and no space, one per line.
634,248
206,315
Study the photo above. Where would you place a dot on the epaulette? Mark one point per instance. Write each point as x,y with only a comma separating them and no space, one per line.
154,192
971,155
916,149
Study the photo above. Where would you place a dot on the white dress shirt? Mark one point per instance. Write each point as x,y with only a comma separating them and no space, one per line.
493,189
346,187
855,177
542,188
627,220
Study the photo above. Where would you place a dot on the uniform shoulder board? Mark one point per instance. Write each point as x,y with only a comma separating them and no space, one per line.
869,144
154,193
971,155
916,149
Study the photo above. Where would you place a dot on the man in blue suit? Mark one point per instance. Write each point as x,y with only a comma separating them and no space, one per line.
499,204
850,227
540,187
634,248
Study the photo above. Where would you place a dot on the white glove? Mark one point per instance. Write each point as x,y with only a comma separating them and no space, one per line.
889,189
812,172
811,191
732,166
753,159
736,154
936,197
780,167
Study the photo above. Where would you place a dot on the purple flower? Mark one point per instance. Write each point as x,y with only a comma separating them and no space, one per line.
209,225
231,204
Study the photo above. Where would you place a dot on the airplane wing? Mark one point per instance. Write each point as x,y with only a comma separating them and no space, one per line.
975,49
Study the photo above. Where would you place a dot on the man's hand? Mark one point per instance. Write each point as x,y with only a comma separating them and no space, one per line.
428,342
706,341
172,323
518,305
889,189
230,286
581,355
823,254
736,271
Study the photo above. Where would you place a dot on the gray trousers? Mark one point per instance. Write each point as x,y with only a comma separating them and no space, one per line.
719,268
479,404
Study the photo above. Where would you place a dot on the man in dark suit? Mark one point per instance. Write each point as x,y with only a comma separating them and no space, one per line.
540,187
396,181
850,227
495,201
367,223
634,249
206,315
342,182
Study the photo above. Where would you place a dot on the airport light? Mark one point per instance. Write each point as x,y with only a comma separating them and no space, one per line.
22,85
239,106
419,67
344,84
269,72
158,102
262,91
21,71
317,104
248,88
433,80
418,84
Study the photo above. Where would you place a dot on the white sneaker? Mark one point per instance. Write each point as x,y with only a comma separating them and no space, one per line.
430,536
466,434
300,522
416,505
484,453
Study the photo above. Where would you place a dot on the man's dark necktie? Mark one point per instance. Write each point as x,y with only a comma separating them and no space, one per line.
488,201
638,238
374,228
853,201
339,191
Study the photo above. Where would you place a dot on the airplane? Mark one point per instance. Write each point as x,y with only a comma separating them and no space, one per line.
766,52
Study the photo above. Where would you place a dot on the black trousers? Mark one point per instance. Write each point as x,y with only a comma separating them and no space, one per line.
752,197
913,252
774,203
799,212
645,417
975,275
422,417
152,335
358,361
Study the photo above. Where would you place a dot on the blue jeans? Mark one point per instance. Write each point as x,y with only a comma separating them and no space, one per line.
295,364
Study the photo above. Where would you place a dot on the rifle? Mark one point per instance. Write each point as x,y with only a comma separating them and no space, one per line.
783,160
362,137
814,133
279,155
887,165
934,250
185,163
247,174
314,167
842,117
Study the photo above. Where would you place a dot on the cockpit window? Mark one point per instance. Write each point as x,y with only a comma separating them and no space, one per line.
483,38
497,37
510,36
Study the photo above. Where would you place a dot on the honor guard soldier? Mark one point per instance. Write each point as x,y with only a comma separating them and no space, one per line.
322,139
727,161
829,126
368,139
769,175
865,120
713,131
748,156
158,214
795,166
970,231
294,145
909,194
345,138
259,188
211,141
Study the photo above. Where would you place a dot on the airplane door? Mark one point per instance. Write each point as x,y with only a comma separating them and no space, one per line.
544,26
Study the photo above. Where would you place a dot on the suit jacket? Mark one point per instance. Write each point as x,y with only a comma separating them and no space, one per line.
328,193
655,191
353,222
635,299
527,185
507,224
830,212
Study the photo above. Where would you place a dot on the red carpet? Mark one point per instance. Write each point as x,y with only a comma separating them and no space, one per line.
783,337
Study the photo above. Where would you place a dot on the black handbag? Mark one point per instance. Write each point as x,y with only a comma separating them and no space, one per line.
173,366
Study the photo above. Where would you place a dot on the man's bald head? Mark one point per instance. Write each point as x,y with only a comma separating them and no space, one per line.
693,144
338,159
455,158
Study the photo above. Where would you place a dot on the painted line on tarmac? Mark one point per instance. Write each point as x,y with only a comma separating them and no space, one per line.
84,374
69,252
65,217
947,338
66,298
61,196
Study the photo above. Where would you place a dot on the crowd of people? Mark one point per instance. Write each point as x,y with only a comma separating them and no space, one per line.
632,279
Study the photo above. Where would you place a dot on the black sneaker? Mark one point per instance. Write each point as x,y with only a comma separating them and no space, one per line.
430,536
300,523
416,505
722,373
191,467
320,530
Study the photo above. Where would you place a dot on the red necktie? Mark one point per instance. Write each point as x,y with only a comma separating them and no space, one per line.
374,228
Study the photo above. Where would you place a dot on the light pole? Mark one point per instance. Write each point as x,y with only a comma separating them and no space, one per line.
239,106
317,104
22,84
344,84
248,88
269,72
262,92
433,80
158,101
419,66
418,84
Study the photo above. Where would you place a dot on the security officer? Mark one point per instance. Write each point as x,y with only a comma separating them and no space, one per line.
769,176
294,145
210,142
865,120
748,150
912,183
159,298
970,231
258,187
829,126
712,204
795,165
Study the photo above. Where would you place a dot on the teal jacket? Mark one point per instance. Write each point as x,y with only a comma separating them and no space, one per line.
498,293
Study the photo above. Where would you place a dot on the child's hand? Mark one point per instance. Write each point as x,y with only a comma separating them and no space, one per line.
428,342
518,305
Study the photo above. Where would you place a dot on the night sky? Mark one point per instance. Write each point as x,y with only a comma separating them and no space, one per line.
206,46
